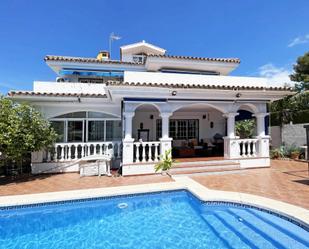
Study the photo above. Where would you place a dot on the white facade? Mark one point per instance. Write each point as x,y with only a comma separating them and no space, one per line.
147,103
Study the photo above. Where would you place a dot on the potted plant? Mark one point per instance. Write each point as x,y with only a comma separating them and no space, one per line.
295,153
166,162
278,153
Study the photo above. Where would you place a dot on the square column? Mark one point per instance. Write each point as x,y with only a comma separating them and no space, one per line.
231,148
127,151
263,140
165,140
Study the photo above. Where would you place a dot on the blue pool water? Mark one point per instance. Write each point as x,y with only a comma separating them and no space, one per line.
171,220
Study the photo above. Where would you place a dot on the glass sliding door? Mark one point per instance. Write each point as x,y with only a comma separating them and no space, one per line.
87,127
96,130
113,130
75,131
59,127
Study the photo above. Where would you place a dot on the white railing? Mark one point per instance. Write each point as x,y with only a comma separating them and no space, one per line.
247,147
146,152
73,151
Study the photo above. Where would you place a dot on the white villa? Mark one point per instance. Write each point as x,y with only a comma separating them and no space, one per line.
147,102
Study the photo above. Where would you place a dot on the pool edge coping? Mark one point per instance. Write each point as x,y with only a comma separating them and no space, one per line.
296,213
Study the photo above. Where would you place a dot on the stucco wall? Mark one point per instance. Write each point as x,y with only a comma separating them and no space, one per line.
290,134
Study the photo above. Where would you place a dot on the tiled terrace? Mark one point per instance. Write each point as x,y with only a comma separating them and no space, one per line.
287,181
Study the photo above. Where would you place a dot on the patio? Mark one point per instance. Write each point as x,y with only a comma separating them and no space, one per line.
286,181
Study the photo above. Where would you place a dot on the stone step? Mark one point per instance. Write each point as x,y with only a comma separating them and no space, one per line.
191,170
205,164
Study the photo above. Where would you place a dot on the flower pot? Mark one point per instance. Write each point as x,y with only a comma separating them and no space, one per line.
295,155
164,172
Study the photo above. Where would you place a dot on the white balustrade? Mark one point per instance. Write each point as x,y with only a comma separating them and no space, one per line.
247,147
146,151
73,151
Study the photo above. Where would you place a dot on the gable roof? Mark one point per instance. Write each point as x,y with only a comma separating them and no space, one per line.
139,46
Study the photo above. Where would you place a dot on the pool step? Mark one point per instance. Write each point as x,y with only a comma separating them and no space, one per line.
197,168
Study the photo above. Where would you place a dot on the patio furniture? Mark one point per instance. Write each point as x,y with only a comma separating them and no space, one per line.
95,165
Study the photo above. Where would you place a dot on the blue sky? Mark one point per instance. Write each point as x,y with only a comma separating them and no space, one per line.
267,35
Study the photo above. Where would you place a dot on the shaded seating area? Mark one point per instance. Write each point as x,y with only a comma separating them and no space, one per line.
206,147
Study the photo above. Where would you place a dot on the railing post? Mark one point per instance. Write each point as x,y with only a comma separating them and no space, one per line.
156,145
127,151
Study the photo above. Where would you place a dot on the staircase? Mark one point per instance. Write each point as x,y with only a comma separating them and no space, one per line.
205,167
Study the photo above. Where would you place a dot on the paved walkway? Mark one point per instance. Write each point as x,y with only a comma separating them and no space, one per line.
286,181
71,181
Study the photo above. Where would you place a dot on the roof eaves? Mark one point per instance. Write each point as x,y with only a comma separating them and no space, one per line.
197,86
41,94
230,60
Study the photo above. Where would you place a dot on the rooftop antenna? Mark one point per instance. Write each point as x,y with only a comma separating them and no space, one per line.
112,37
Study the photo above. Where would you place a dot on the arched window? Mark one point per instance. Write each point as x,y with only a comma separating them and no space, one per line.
87,127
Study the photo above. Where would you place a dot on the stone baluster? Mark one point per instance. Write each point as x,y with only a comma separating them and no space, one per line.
143,152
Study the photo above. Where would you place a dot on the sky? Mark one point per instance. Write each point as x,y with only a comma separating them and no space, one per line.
267,35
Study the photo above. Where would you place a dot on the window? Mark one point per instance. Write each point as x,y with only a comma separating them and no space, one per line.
113,130
87,126
59,127
96,130
139,58
180,128
75,131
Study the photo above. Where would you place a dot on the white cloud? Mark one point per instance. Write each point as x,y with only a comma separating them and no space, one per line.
299,40
277,76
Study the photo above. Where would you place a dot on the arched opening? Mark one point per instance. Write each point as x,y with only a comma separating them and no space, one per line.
245,124
197,131
144,122
86,126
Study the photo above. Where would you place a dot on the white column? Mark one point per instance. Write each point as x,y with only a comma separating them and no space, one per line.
260,124
231,147
127,151
230,124
165,124
263,140
166,141
128,117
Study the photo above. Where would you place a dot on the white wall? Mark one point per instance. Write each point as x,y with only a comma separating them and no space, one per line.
191,79
67,87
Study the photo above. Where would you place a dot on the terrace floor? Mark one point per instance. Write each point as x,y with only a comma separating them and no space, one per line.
286,181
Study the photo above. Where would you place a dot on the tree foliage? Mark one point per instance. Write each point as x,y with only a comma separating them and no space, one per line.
291,108
301,73
22,130
245,128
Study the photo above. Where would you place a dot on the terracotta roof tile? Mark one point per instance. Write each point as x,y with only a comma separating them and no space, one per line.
198,86
231,60
86,60
31,93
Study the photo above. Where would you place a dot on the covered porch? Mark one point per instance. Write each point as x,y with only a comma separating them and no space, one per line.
195,131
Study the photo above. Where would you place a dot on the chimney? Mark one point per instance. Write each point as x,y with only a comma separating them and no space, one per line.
103,55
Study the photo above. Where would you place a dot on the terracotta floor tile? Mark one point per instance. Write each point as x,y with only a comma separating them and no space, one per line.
287,181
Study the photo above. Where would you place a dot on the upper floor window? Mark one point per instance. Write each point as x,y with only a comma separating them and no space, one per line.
139,58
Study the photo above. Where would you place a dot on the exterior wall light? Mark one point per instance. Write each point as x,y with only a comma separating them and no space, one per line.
174,93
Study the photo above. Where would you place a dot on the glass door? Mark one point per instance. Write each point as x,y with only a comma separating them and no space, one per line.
75,131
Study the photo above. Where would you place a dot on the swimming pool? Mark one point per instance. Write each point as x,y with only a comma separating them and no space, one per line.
173,219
